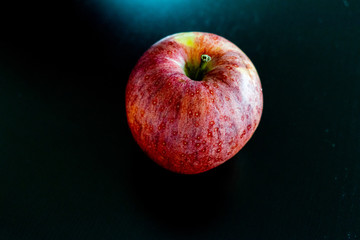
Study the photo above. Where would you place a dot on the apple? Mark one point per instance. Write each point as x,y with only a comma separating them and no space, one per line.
193,100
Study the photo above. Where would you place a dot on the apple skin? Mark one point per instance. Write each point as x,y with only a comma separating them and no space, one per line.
189,126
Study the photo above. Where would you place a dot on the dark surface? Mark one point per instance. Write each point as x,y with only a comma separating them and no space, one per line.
69,168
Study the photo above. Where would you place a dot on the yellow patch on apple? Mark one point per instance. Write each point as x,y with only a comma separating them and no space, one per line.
187,39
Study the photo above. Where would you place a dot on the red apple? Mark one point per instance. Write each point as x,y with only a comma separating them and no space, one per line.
193,101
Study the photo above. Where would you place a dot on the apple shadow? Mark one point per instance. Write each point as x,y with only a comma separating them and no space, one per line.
184,203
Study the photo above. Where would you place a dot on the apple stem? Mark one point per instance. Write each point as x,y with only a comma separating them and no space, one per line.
204,60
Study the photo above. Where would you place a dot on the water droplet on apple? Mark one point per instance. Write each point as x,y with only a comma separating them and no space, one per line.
243,134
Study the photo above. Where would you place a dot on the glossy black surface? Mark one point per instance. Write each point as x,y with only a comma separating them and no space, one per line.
69,168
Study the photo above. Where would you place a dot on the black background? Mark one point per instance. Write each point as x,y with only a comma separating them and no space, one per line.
70,169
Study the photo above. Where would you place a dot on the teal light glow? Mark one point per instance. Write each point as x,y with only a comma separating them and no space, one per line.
144,15
159,17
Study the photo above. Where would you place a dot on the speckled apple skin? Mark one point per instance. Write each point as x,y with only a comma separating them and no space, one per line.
189,126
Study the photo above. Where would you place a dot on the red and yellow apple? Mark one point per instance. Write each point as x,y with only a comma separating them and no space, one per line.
193,101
